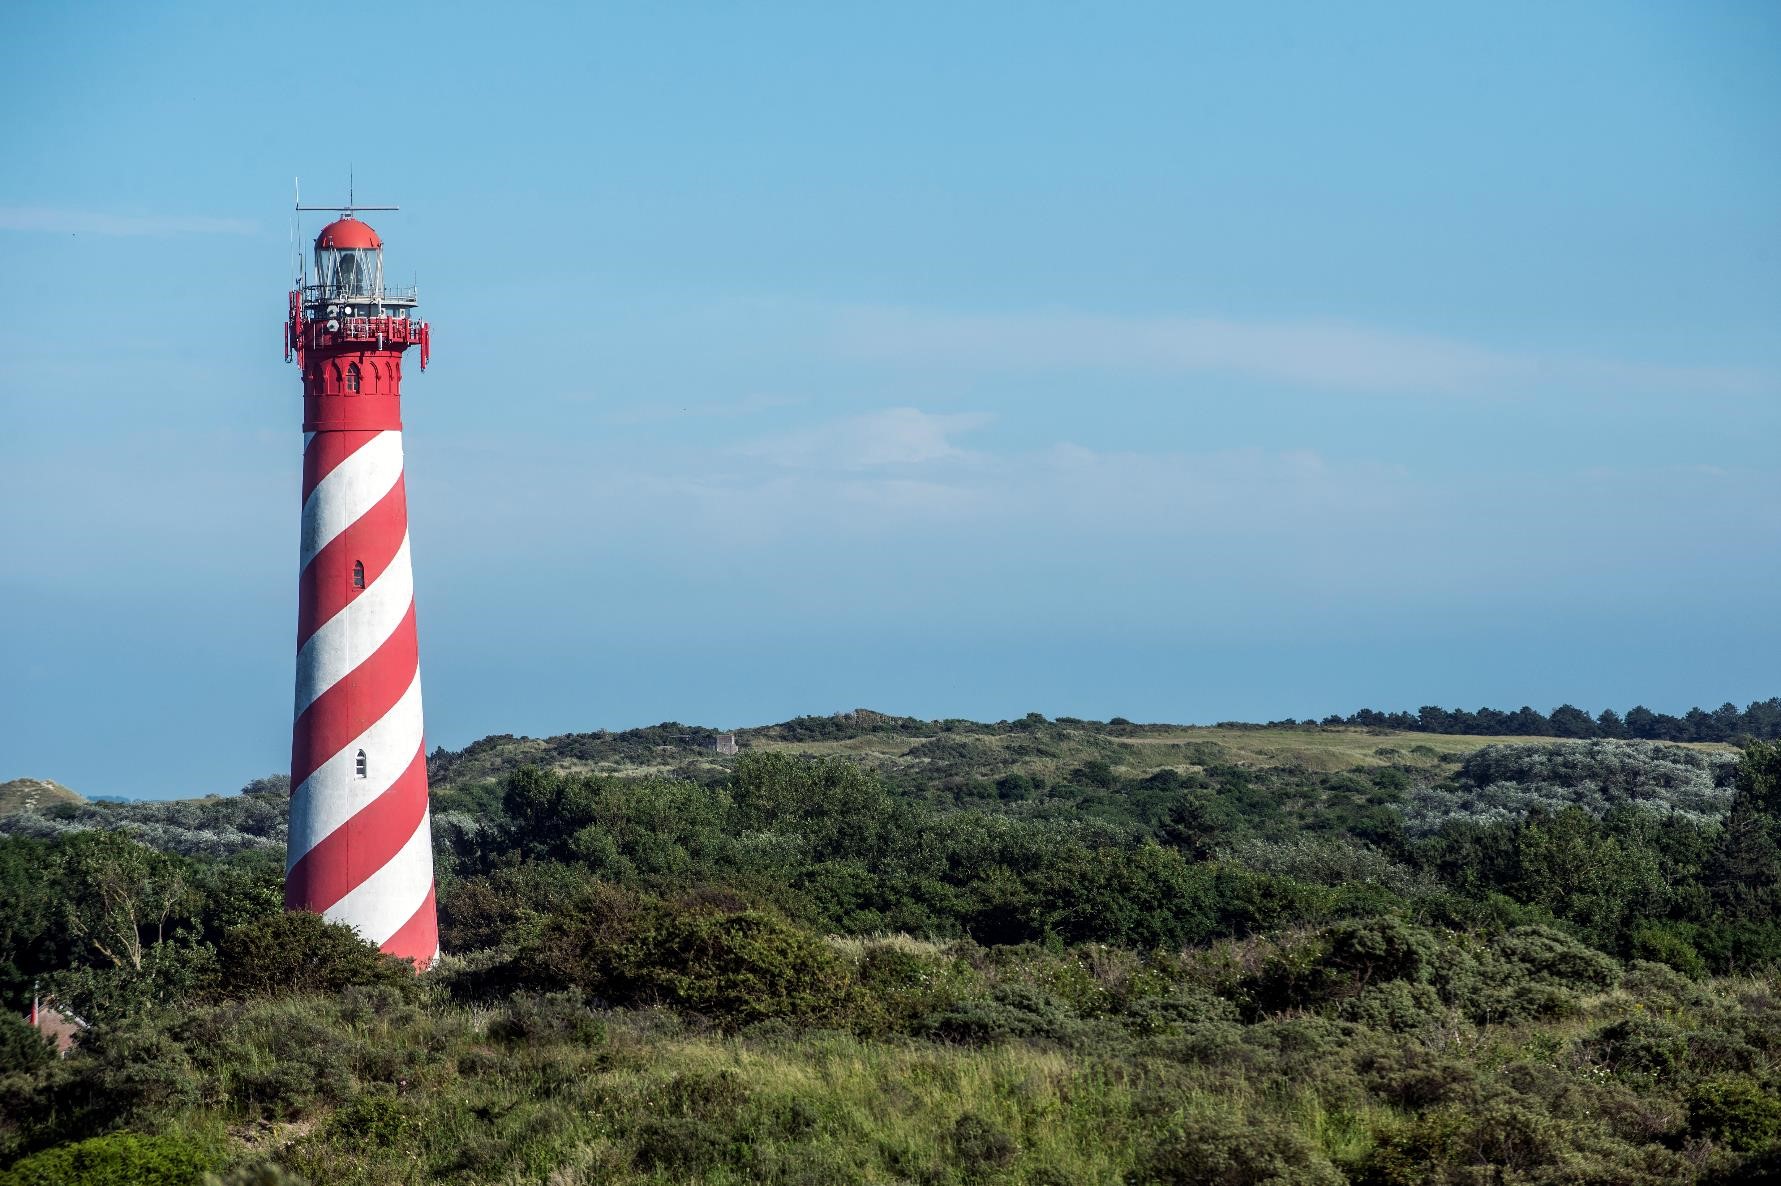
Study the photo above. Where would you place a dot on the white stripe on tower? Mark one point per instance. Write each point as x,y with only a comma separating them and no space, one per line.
334,793
349,490
343,643
360,848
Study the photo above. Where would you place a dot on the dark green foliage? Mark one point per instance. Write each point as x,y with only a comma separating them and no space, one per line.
22,1047
1226,1150
550,1017
1125,957
33,935
300,952
1761,720
1744,873
1735,1111
981,1147
734,966
118,1159
1014,1011
1547,955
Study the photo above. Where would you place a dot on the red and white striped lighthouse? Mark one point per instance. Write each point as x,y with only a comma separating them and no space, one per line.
360,849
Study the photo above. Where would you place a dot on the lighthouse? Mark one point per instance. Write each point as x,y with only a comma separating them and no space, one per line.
360,849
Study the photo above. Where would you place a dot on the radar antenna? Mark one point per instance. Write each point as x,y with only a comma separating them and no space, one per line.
352,206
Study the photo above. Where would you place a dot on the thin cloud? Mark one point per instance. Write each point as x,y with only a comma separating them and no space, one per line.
1317,354
893,436
658,411
52,221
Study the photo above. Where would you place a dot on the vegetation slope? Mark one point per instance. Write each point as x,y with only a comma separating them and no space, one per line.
871,949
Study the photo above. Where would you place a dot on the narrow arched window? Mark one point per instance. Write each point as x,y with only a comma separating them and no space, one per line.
358,574
352,376
359,765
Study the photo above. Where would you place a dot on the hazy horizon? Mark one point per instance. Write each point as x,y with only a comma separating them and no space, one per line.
1177,364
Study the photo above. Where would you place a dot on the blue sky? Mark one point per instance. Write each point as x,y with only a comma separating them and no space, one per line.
1178,362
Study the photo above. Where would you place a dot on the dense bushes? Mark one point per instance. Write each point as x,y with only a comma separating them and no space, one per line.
119,1159
734,966
22,1047
1104,972
297,951
1505,782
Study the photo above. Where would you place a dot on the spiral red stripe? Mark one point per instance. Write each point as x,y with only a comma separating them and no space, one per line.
345,711
360,850
327,585
362,845
421,929
326,450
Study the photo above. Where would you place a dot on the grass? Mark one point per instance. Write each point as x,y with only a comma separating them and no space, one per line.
1051,752
1324,750
648,1108
25,794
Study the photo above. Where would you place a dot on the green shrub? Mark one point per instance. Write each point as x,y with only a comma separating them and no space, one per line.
1528,972
1656,983
1175,1011
1223,1149
272,1059
131,1071
549,1017
1450,1144
980,1146
1415,1079
1640,1046
733,968
116,1159
1669,943
1013,1012
895,987
1764,1169
1376,950
22,1046
733,965
295,951
1735,1111
1554,957
1396,1006
377,1120
681,1145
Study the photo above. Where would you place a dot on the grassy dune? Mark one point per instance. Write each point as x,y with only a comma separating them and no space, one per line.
23,794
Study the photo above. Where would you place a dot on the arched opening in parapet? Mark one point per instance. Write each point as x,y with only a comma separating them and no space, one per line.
358,574
359,765
352,376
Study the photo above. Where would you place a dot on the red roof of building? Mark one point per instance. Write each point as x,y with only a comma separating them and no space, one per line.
61,1028
347,232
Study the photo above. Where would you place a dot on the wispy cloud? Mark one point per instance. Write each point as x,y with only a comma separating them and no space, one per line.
50,220
660,412
1317,354
891,437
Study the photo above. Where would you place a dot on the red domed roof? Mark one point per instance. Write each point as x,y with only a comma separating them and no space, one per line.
347,232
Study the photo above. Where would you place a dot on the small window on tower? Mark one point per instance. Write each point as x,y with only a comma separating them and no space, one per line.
358,574
359,765
352,376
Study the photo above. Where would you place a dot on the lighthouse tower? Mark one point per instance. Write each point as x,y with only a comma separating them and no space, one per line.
360,849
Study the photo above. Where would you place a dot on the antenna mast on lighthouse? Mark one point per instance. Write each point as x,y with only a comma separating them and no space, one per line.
360,849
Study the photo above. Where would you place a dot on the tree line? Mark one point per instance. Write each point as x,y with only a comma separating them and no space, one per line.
1760,721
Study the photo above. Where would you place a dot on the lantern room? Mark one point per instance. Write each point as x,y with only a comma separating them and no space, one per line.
349,269
349,261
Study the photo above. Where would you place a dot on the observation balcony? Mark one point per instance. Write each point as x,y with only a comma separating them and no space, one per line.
319,296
